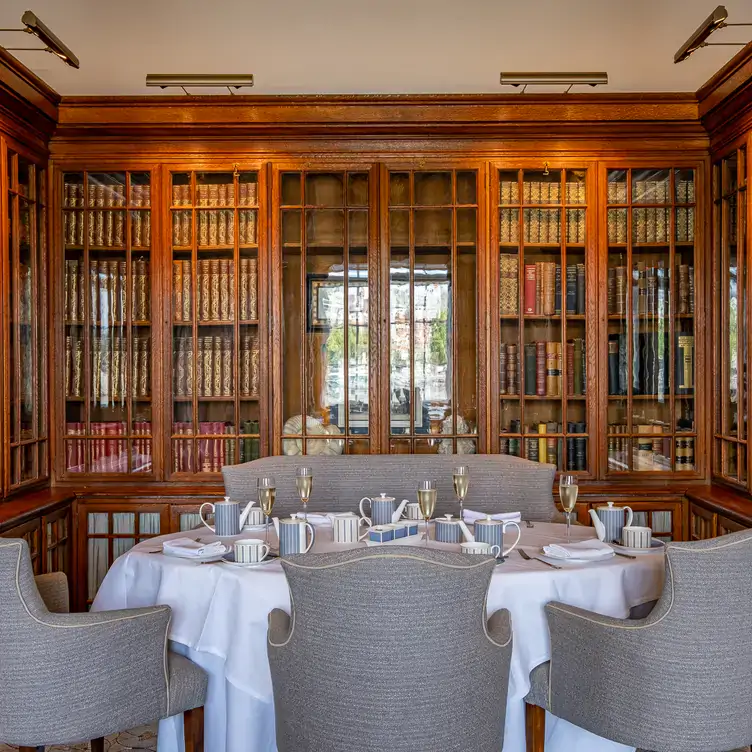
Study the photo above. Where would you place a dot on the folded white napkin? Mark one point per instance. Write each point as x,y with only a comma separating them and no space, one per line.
187,547
587,549
471,516
314,518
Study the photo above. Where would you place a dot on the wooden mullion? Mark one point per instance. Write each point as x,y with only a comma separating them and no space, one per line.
346,303
304,296
130,388
195,470
453,262
628,320
563,339
673,309
236,347
521,309
411,278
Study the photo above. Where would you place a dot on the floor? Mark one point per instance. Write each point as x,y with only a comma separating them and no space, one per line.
144,737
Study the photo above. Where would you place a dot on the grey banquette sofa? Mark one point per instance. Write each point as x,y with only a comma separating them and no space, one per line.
498,483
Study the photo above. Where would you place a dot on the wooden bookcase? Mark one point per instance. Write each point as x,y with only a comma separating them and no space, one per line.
24,313
731,308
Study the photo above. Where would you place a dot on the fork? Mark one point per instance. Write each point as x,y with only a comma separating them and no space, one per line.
527,557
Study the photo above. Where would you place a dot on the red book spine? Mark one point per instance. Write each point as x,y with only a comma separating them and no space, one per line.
570,368
540,369
80,449
110,446
95,448
530,288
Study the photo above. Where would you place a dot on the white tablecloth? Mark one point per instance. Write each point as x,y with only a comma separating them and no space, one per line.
220,622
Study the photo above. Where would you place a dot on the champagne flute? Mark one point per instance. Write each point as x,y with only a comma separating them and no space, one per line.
304,482
267,491
461,478
427,501
568,489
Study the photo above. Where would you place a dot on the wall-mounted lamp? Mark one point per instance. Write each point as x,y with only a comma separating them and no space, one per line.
204,80
716,20
553,79
32,25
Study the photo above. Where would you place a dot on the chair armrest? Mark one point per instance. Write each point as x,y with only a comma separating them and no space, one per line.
599,663
53,588
280,628
499,628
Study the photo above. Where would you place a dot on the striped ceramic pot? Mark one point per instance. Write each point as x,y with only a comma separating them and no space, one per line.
492,532
293,536
226,517
613,520
448,530
381,510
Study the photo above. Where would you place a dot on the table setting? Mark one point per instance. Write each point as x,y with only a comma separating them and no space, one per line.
222,580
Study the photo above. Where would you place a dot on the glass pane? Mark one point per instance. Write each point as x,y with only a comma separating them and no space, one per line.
357,189
215,189
25,183
400,350
465,364
149,523
399,189
433,188
650,186
542,187
467,188
576,189
509,187
248,189
324,189
106,190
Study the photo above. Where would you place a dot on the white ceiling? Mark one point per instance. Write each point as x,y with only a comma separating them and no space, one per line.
372,46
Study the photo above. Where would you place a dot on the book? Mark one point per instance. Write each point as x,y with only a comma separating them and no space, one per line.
540,369
685,359
542,443
580,294
557,290
570,367
512,369
530,288
548,285
530,368
578,376
508,285
613,365
571,288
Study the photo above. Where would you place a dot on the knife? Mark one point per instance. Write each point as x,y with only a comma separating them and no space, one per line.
527,557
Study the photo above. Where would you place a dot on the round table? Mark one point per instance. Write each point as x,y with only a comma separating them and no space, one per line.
220,622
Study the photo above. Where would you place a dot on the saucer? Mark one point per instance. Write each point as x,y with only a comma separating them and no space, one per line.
655,545
229,559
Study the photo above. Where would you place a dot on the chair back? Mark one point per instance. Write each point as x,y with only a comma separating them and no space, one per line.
498,483
388,650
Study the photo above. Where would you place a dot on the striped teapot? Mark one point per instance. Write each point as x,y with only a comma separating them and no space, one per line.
609,521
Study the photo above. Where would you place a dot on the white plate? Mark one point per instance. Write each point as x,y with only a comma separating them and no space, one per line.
205,559
655,545
556,560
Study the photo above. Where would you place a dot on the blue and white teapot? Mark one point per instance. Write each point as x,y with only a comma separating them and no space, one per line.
609,521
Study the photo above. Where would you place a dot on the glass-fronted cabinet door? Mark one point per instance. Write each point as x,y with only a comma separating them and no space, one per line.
544,355
217,313
107,312
324,240
434,245
730,453
25,301
651,346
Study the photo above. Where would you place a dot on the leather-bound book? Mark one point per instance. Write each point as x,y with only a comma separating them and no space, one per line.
187,286
578,376
502,369
549,288
540,369
530,288
530,368
513,386
553,379
613,364
224,289
177,290
557,289
570,367
572,288
685,362
509,285
542,453
580,303
204,297
531,450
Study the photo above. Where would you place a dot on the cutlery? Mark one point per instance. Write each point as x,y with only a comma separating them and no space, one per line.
527,557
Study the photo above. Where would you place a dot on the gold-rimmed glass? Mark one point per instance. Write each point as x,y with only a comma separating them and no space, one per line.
427,501
568,490
267,491
304,484
461,480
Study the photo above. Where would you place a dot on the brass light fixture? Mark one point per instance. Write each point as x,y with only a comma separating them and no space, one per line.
553,78
33,25
716,20
212,80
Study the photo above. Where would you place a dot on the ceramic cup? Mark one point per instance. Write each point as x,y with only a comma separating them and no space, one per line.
382,509
412,511
482,549
345,527
255,517
226,517
293,536
448,530
250,551
633,536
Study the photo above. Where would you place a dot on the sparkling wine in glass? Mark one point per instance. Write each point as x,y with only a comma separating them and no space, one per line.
461,478
267,491
304,482
568,489
427,501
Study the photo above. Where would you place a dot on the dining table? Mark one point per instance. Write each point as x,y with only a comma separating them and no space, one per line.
220,614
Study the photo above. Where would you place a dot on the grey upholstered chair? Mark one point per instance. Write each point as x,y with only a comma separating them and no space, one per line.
389,649
76,677
498,483
679,680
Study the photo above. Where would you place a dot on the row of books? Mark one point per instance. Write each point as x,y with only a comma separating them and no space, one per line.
651,192
215,228
107,291
109,454
542,287
541,192
543,368
550,450
541,225
652,225
650,364
650,453
105,195
109,368
211,455
214,367
216,194
650,289
515,426
107,229
216,290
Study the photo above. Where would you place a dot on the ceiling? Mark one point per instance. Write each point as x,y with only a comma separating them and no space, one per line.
372,46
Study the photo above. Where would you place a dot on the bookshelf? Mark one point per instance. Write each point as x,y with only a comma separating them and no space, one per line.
652,269
217,353
540,225
730,449
432,233
107,315
24,271
324,230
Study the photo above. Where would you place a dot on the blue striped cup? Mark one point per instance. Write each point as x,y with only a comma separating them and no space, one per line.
293,536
